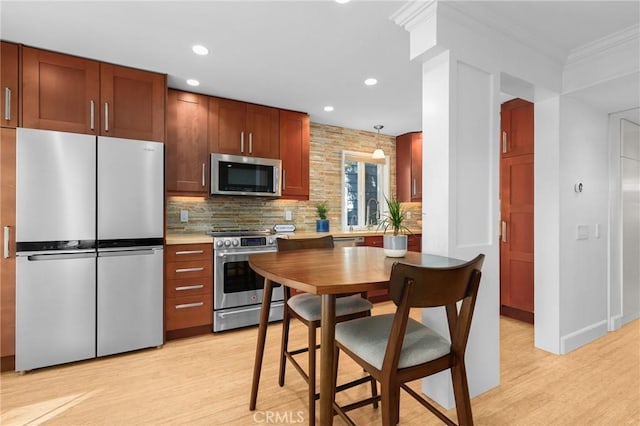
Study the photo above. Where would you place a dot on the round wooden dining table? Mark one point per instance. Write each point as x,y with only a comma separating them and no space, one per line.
328,273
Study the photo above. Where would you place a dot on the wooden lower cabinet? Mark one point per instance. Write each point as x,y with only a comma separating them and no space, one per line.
188,290
414,243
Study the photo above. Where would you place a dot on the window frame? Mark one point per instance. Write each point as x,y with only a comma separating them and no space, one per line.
384,183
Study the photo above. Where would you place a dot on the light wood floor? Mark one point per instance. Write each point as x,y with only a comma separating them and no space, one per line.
206,381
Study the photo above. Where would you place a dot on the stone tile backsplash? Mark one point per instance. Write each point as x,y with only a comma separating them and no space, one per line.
326,146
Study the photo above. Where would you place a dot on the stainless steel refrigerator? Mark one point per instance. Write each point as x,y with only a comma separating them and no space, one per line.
89,227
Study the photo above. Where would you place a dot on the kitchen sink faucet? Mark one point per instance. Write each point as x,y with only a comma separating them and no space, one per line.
377,213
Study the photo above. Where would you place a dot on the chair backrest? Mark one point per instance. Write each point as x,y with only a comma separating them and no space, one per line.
415,286
285,244
434,286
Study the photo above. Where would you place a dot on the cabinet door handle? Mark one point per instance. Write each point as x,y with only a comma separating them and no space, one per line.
106,116
189,305
178,253
7,235
504,142
7,103
189,270
203,175
250,143
92,109
189,287
414,190
242,141
503,231
284,179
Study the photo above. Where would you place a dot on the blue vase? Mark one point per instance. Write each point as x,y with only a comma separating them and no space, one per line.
322,225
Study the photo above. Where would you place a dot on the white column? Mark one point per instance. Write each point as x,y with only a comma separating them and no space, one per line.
460,203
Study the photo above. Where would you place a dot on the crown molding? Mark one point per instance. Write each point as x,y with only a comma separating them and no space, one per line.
604,45
414,13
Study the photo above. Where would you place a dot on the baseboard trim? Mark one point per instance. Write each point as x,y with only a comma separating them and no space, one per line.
8,363
573,341
189,332
516,313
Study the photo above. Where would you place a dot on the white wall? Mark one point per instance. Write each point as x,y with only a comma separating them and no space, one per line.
583,262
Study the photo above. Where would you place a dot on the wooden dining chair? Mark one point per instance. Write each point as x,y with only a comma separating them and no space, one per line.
396,349
306,308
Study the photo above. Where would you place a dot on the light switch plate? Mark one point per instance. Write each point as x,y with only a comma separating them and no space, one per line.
582,232
287,215
184,215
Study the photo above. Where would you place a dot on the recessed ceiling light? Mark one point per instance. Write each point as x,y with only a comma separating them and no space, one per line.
342,1
193,82
371,81
199,49
328,108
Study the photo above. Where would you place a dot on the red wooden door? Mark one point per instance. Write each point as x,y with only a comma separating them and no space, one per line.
516,194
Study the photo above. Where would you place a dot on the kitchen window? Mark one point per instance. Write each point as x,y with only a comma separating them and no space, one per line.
365,183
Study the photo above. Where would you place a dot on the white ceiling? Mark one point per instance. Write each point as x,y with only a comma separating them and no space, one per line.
299,55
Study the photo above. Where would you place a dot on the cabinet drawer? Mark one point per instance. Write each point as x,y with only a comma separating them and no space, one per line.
196,268
374,241
190,311
187,252
188,286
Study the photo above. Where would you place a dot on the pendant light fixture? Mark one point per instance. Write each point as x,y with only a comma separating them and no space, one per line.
378,154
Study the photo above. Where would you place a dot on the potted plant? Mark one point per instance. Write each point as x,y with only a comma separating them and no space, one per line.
394,245
322,224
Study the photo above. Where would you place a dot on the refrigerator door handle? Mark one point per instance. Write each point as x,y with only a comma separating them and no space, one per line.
39,257
126,253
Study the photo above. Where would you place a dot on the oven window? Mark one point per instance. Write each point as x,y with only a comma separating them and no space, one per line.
239,277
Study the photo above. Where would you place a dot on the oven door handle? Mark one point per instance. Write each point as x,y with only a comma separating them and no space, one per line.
252,309
244,253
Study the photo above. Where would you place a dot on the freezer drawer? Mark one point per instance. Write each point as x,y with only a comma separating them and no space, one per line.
130,306
55,309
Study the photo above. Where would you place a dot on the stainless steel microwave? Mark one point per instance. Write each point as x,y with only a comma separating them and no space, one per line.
238,175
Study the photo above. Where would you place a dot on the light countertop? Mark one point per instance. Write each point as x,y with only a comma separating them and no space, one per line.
201,238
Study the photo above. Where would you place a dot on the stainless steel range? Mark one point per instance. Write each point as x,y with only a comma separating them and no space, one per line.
237,288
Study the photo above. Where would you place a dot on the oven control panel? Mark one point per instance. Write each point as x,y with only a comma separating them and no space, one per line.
244,242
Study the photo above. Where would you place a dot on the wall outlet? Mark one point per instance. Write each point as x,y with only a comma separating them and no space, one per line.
287,215
408,215
184,215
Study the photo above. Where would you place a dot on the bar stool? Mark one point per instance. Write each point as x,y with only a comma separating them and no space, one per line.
306,308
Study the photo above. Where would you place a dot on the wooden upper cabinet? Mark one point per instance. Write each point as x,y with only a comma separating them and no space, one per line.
246,129
294,153
263,125
60,92
9,55
187,161
409,167
517,128
71,94
132,103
